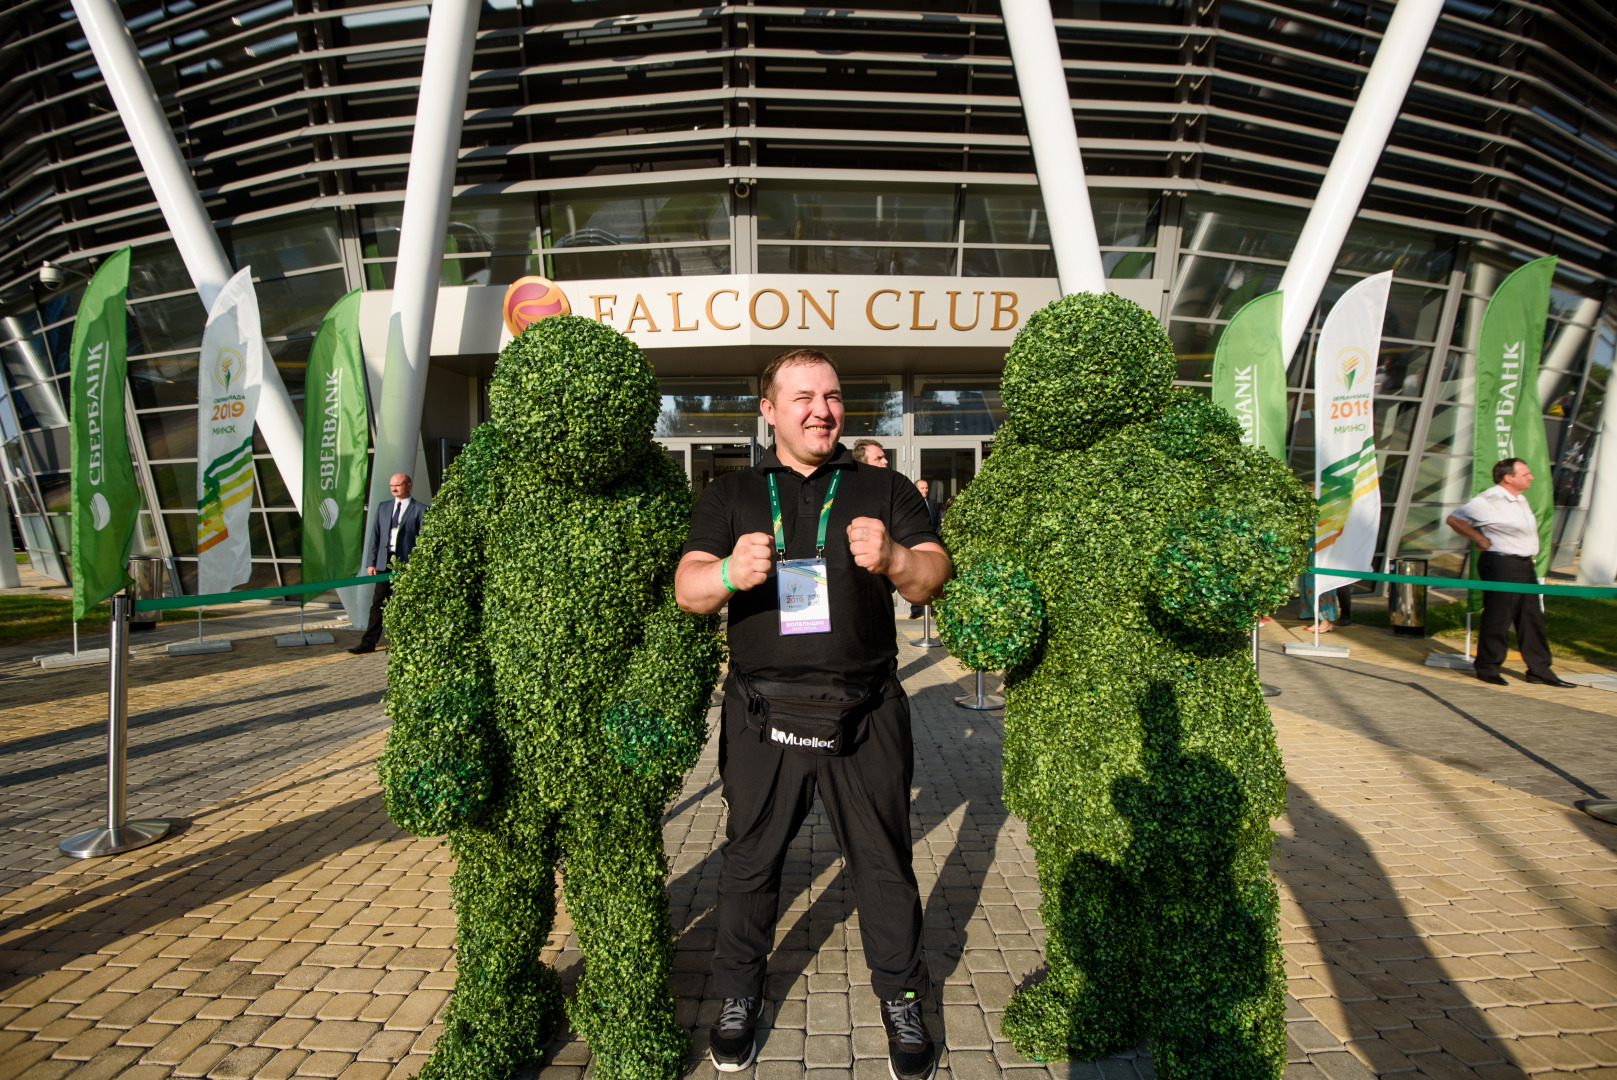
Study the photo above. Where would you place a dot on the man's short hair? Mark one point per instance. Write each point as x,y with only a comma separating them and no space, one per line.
766,381
861,450
1505,468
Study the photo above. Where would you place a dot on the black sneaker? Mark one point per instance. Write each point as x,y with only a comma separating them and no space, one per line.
733,1043
910,1055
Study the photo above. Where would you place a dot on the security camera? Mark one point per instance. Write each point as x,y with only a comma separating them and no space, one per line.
50,275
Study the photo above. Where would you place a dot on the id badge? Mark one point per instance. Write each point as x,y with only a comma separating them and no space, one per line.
805,597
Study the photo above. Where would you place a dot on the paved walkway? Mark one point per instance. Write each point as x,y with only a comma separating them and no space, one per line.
1446,918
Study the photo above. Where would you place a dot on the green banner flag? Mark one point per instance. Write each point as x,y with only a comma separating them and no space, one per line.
1509,417
1249,375
106,502
336,430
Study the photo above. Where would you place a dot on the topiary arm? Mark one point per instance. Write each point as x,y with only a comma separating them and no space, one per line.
991,616
658,724
439,767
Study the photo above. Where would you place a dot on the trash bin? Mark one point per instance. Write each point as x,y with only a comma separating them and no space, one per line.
148,574
1406,603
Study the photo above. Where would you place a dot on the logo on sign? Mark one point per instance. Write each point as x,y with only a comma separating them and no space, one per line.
1352,362
530,299
100,512
227,368
328,512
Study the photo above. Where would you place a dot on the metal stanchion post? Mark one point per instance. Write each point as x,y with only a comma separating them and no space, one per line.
926,640
980,702
1268,691
118,835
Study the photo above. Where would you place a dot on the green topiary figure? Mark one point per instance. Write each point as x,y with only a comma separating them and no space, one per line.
1113,555
547,696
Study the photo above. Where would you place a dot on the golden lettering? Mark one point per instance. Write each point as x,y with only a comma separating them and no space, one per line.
635,315
976,310
602,316
695,324
915,319
785,309
808,302
1008,309
714,319
870,307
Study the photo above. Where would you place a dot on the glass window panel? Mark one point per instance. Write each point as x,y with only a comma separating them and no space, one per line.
1212,288
176,485
1373,246
1392,478
611,217
708,407
57,342
1594,399
42,404
168,325
1006,218
296,305
1401,369
1002,262
873,405
1451,429
1458,380
1442,479
50,449
486,223
56,491
182,534
146,536
163,380
1193,346
271,488
1424,529
637,262
849,212
291,360
379,230
285,245
1241,227
265,575
170,434
774,259
156,269
958,405
25,362
947,471
1395,423
1414,312
286,530
1126,264
482,270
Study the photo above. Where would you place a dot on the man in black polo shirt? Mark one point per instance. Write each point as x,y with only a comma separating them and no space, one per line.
812,635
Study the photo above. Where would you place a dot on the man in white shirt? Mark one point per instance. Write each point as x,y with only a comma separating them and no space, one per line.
391,535
1503,527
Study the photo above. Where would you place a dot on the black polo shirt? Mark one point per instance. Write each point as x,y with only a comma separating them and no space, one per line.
862,643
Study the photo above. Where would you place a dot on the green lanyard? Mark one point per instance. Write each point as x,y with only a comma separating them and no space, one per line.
825,514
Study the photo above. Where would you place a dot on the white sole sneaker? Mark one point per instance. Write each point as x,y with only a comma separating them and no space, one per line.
930,1073
751,1057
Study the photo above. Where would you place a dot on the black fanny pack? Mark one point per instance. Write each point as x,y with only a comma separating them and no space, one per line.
810,718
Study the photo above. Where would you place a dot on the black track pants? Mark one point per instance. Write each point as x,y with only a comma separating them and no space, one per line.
1502,610
373,632
866,796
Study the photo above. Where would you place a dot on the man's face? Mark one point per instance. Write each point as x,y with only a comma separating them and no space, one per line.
399,485
806,411
924,488
875,455
1520,479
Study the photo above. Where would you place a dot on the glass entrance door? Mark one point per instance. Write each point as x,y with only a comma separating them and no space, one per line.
948,468
705,461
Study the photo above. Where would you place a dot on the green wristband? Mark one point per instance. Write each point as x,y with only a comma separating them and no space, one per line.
724,574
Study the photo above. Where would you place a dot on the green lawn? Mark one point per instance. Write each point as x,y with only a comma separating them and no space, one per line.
36,618
1580,628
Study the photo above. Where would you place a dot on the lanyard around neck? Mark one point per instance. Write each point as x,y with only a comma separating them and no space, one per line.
825,514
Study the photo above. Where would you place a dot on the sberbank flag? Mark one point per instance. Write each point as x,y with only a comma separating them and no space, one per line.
106,502
1509,418
1249,375
336,430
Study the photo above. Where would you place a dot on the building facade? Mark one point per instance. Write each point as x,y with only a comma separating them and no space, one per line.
722,182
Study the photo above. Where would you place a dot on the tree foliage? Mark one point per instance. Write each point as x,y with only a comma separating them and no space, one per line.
547,696
1113,554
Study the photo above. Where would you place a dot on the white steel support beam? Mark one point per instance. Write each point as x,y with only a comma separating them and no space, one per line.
1597,558
1348,177
445,71
1047,106
186,217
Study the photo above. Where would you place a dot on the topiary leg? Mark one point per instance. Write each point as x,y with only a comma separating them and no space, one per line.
613,881
506,1003
1084,1008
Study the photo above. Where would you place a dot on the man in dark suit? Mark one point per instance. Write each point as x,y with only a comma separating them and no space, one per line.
394,526
935,513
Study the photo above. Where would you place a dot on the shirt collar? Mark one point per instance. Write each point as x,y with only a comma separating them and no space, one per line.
841,458
1504,494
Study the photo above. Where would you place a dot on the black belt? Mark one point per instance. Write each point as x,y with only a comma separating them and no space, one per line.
1502,555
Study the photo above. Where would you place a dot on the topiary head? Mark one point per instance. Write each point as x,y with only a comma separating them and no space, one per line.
1085,365
574,399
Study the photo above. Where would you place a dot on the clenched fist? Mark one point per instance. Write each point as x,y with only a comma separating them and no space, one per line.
871,546
750,561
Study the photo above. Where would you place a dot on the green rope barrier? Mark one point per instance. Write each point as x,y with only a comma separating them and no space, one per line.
168,603
1471,584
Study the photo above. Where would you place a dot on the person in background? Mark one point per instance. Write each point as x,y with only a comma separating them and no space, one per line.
1503,527
935,513
394,526
870,452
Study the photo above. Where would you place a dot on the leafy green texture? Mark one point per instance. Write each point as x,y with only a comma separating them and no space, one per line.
547,695
1138,747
